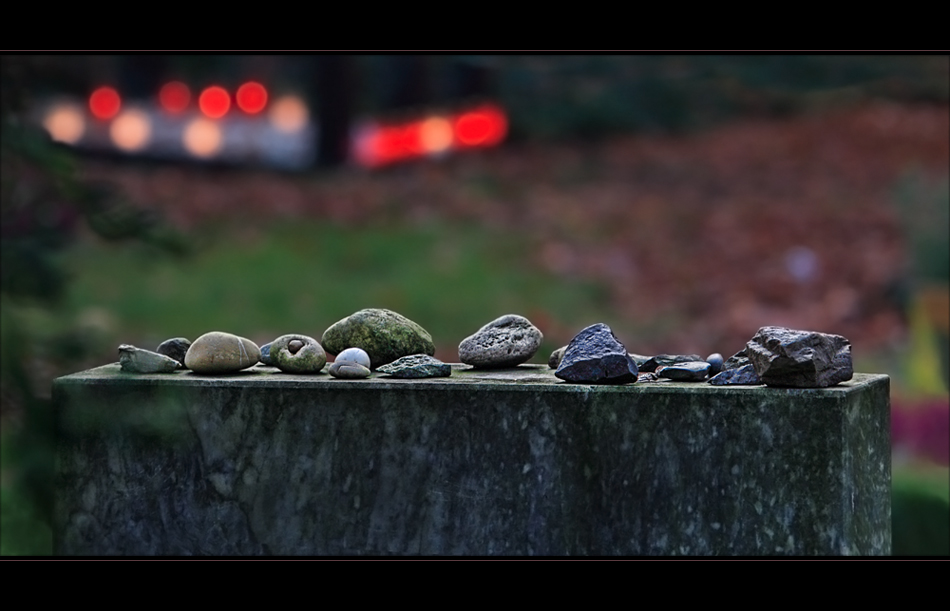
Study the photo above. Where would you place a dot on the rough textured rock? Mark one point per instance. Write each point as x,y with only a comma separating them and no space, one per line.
694,371
383,334
348,370
596,356
219,352
800,359
297,354
662,360
137,360
641,360
417,366
354,355
744,375
175,348
506,341
715,363
555,359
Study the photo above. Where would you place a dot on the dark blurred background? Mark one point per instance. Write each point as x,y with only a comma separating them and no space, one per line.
684,200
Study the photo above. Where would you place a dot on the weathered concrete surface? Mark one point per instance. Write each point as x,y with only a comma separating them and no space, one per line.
509,461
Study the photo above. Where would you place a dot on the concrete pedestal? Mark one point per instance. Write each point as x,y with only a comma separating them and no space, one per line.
509,462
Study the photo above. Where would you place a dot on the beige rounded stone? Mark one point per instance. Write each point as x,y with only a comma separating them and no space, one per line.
219,352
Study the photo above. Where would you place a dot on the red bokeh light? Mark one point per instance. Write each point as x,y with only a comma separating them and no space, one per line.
482,127
105,103
174,96
251,97
214,102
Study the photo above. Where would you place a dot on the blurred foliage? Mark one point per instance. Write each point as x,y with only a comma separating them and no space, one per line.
924,207
920,512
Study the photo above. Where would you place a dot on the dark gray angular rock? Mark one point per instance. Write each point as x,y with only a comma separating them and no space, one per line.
417,366
744,375
175,348
735,361
715,363
640,360
800,359
664,360
596,356
693,371
506,341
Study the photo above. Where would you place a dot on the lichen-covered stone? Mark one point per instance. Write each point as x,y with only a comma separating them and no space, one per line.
348,370
219,352
555,359
175,348
417,366
596,356
383,334
137,360
800,359
693,371
297,354
506,341
354,355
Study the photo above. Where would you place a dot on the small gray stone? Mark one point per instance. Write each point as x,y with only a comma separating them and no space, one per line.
693,371
743,375
265,355
349,370
596,356
175,348
137,360
649,376
715,363
298,354
555,359
417,366
800,359
663,360
219,352
353,355
506,341
641,360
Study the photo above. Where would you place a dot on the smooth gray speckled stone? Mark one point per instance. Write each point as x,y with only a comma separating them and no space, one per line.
175,348
218,352
800,359
596,356
417,366
383,334
694,371
348,370
506,341
485,462
354,355
744,375
296,353
137,360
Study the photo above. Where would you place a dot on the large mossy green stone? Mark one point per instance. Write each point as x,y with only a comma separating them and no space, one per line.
485,462
383,334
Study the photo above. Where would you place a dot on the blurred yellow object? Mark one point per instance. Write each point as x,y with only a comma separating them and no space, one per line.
929,318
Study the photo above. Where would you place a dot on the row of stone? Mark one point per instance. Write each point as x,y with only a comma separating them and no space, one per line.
775,356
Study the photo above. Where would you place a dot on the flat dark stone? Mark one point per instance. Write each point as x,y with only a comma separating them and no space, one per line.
596,356
664,360
694,371
740,376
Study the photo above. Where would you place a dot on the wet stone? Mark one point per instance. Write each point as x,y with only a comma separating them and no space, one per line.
417,366
744,375
298,354
596,356
664,360
694,371
800,359
175,348
137,360
506,341
715,363
219,352
383,334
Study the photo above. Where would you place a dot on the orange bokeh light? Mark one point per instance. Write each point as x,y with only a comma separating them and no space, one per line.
214,102
104,103
251,97
131,130
202,138
65,123
174,96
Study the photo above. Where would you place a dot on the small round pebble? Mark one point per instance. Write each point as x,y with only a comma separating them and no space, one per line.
348,370
715,363
354,355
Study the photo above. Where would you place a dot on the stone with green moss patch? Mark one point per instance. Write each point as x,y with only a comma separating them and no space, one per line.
383,334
